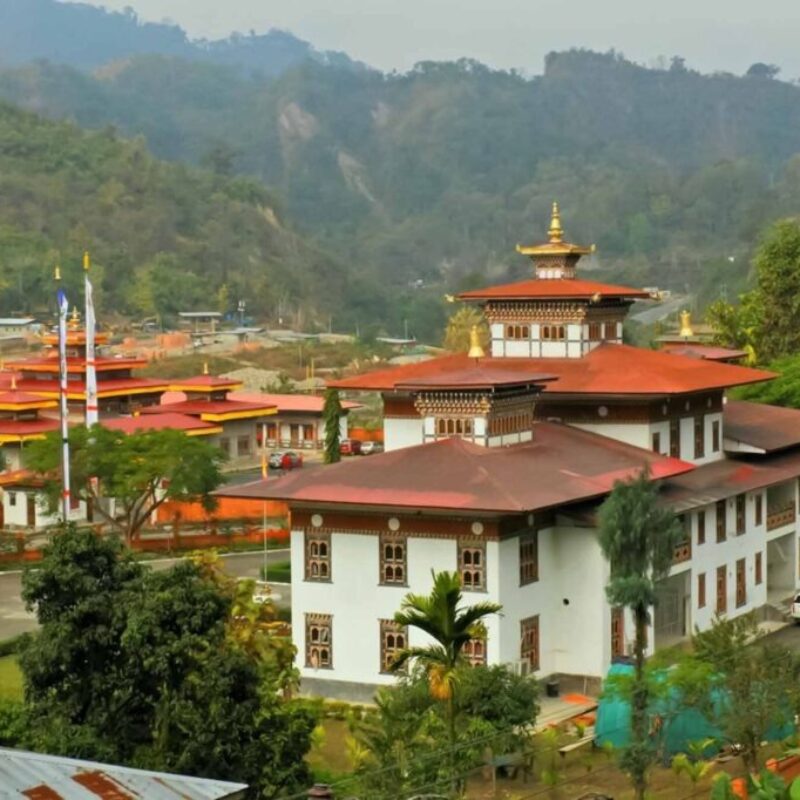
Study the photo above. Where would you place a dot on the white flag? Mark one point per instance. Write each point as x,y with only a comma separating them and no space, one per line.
91,371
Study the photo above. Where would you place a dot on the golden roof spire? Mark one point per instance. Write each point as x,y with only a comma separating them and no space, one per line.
686,325
57,273
75,319
205,368
13,382
555,232
475,348
86,261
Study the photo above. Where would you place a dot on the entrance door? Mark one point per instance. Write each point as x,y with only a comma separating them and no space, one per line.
31,510
617,632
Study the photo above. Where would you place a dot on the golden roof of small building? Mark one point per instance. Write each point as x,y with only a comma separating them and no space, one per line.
556,246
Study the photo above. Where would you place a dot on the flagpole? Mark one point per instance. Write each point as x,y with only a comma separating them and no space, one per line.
63,309
92,414
264,473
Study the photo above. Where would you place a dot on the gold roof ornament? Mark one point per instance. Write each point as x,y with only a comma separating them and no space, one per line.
475,348
686,331
205,368
555,231
57,273
86,261
13,382
75,319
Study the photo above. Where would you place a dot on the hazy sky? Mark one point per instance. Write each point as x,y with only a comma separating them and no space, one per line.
711,34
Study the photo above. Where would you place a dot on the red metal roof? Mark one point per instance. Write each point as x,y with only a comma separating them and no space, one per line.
478,374
21,477
557,288
309,403
763,427
156,422
18,398
561,465
610,369
204,383
114,385
728,477
50,364
27,427
710,352
207,407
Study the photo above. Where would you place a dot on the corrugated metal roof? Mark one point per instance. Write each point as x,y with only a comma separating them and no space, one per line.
34,775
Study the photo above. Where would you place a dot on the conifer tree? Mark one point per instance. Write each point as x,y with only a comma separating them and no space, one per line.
332,413
638,538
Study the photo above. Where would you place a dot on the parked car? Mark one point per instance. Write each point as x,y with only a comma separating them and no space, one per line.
796,608
285,459
370,448
350,447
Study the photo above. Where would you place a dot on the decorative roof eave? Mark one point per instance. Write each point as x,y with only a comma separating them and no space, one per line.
554,249
228,416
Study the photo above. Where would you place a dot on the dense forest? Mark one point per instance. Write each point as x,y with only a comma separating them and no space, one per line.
86,37
164,237
422,183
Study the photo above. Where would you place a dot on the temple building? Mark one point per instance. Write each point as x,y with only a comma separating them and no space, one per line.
495,466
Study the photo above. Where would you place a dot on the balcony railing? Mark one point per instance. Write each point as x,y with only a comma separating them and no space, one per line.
778,517
683,552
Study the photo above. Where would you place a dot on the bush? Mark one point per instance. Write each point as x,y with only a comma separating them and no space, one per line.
9,647
279,573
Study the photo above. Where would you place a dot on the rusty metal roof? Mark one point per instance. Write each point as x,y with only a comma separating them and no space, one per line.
561,465
760,426
42,777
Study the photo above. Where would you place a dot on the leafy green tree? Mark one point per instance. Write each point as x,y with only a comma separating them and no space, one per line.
138,667
140,472
638,538
756,683
332,413
441,616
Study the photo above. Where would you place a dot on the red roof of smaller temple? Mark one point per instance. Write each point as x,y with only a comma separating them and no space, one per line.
21,477
299,403
49,364
760,426
560,465
157,422
557,288
478,374
105,388
203,383
25,428
25,400
609,369
212,408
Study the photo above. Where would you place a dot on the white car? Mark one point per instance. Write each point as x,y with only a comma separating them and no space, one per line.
796,608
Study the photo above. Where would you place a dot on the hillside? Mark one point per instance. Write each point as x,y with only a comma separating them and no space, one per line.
87,37
435,175
164,237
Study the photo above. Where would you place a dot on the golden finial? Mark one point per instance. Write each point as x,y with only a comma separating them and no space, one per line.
75,319
58,273
686,325
555,231
475,348
13,382
205,368
86,262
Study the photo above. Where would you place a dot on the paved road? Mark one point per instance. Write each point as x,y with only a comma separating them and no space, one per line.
15,619
786,637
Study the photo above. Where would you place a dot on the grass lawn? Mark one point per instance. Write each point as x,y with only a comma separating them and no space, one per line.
10,679
280,572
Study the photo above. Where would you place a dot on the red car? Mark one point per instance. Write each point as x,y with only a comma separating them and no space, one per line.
285,460
350,447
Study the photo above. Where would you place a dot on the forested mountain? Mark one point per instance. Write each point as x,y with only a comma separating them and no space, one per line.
86,37
165,237
435,175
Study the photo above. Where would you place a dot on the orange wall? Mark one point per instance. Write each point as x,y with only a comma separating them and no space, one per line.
228,508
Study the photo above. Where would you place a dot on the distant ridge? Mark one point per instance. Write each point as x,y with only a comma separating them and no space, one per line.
87,37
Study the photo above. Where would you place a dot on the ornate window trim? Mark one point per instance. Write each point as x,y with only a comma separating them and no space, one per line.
529,647
393,639
528,558
393,560
472,565
319,641
317,556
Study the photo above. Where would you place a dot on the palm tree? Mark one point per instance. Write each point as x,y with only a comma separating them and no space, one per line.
451,626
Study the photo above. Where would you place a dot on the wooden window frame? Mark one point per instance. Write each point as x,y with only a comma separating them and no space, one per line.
656,442
699,436
701,527
701,590
389,563
617,631
609,330
393,639
323,643
741,514
530,641
474,652
247,450
722,521
741,582
317,553
675,438
759,568
528,558
715,436
759,508
473,576
722,596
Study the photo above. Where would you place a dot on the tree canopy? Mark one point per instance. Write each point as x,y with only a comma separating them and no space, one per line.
139,667
139,471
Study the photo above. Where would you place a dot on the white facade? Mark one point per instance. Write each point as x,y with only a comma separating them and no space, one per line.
402,432
26,508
